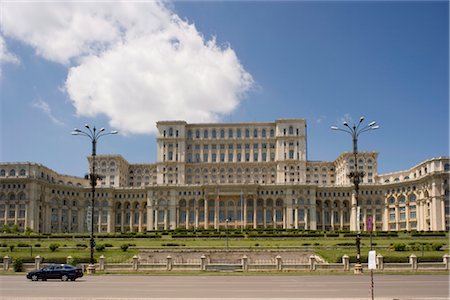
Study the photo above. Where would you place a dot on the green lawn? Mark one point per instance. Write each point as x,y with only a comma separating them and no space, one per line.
330,248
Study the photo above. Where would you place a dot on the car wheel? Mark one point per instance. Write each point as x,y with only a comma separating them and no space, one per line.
34,278
72,279
64,277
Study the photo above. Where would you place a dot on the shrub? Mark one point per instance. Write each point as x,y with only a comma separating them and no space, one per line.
82,245
108,245
437,246
3,245
11,248
37,245
18,265
23,245
53,247
124,247
399,247
257,245
100,247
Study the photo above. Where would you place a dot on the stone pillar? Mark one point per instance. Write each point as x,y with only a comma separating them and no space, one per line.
169,263
312,263
188,213
244,213
131,225
413,261
166,219
279,263
264,215
122,220
135,263
140,221
102,262
206,215
296,218
346,262
380,263
6,263
99,221
446,260
150,218
353,220
203,263
69,260
255,214
216,214
244,263
110,220
37,262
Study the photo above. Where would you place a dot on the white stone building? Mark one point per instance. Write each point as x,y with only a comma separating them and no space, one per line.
257,175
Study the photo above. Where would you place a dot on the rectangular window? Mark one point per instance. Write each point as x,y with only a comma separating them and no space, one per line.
230,133
255,146
239,157
213,157
239,146
264,157
412,215
205,147
230,146
230,157
205,157
222,157
255,156
291,154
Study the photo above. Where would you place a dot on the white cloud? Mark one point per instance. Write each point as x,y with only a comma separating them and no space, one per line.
45,108
137,62
5,55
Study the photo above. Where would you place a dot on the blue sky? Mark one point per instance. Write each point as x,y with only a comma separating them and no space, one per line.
321,61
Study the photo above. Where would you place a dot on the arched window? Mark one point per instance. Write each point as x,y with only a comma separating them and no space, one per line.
238,133
263,133
22,172
447,167
401,199
222,134
391,200
170,131
247,133
291,130
205,134
2,172
230,133
189,134
255,133
12,172
214,134
272,133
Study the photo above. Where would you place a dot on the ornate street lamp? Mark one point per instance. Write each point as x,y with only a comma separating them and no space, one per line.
356,177
93,135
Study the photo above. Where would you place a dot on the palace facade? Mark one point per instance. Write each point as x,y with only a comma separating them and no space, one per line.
251,175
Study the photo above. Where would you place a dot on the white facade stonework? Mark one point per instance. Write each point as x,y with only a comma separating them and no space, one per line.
256,174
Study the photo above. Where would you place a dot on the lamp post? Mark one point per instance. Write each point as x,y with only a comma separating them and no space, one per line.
356,177
93,134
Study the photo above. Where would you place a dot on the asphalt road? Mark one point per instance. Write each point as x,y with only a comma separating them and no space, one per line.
219,287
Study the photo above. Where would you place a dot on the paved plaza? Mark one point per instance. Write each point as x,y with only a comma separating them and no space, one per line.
229,286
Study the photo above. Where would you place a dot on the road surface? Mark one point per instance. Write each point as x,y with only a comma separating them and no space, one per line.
220,287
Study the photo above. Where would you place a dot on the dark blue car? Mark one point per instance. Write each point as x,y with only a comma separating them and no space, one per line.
56,271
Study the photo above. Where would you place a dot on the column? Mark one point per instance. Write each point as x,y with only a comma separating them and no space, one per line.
150,220
323,216
386,218
188,212
255,223
216,214
264,215
408,225
59,219
353,221
131,219
332,219
99,226
110,220
141,217
5,222
306,212
196,214
69,220
341,218
16,213
274,217
245,213
206,225
122,220
166,219
296,218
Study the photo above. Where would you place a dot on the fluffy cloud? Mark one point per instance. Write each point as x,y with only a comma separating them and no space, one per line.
137,63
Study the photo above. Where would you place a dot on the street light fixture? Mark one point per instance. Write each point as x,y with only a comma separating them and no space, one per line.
93,134
226,230
356,177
